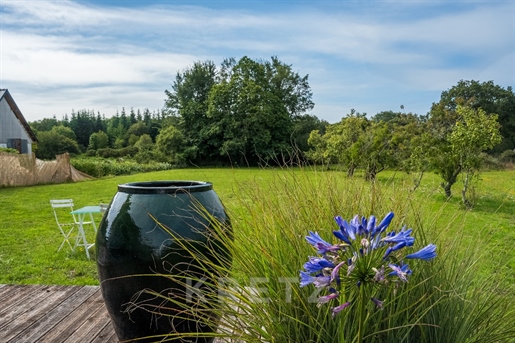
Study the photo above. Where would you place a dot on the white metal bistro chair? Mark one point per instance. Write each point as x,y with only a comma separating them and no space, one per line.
62,209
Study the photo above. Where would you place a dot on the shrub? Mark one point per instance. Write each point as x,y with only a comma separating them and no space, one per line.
99,167
116,153
9,150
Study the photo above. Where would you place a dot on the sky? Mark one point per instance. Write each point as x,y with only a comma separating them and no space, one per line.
57,57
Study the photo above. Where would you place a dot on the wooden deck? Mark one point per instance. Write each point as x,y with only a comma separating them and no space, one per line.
36,313
63,314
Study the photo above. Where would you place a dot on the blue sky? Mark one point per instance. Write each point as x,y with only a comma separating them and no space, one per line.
371,56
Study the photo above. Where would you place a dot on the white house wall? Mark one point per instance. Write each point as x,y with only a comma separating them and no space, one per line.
10,126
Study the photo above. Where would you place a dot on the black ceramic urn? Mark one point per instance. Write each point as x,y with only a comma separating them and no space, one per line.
141,250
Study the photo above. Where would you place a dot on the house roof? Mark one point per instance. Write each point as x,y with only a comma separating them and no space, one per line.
4,93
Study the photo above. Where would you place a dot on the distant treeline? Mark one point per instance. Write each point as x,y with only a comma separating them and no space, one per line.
250,112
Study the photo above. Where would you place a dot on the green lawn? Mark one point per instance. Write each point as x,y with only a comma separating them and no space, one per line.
30,238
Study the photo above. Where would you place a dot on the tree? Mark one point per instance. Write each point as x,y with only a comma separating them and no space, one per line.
457,146
98,140
145,149
474,132
171,144
303,125
244,110
252,110
188,100
51,143
490,98
339,140
65,131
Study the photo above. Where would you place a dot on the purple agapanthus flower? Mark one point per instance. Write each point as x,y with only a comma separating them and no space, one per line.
359,227
403,236
365,253
321,245
426,253
400,271
335,274
306,279
322,281
383,224
326,298
339,308
316,264
347,232
378,302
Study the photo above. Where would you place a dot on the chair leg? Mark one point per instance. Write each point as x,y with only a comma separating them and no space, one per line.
66,239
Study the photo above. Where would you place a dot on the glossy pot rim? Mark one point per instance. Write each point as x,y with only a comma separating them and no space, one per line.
165,187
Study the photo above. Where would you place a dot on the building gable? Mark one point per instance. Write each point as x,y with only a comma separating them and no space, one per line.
4,94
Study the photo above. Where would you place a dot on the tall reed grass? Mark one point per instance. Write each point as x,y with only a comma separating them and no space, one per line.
258,299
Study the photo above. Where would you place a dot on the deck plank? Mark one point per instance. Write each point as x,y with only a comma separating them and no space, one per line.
13,296
49,314
40,327
67,327
35,310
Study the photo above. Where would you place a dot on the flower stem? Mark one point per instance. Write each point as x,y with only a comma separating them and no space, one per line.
361,313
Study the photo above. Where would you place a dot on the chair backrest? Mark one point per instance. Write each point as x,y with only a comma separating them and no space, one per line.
65,205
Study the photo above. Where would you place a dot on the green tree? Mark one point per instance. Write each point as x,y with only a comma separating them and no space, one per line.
490,98
188,100
45,124
474,132
83,124
145,147
135,131
65,131
52,143
303,125
98,140
252,110
457,147
171,144
337,145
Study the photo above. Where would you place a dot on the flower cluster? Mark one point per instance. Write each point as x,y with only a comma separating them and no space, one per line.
364,255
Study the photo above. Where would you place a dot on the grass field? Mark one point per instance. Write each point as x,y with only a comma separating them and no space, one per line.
30,238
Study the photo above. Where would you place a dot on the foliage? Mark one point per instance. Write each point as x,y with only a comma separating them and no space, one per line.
490,98
243,113
52,143
337,144
64,131
9,150
99,167
98,140
171,143
188,100
145,148
374,145
459,138
507,156
303,125
117,153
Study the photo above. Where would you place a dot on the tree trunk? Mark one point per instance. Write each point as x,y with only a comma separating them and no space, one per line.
370,173
451,180
447,189
466,202
350,171
417,180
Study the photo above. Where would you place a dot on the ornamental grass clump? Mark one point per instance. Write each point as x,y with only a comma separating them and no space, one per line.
352,271
449,299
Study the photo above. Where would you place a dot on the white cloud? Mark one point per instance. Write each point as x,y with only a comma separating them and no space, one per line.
98,57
